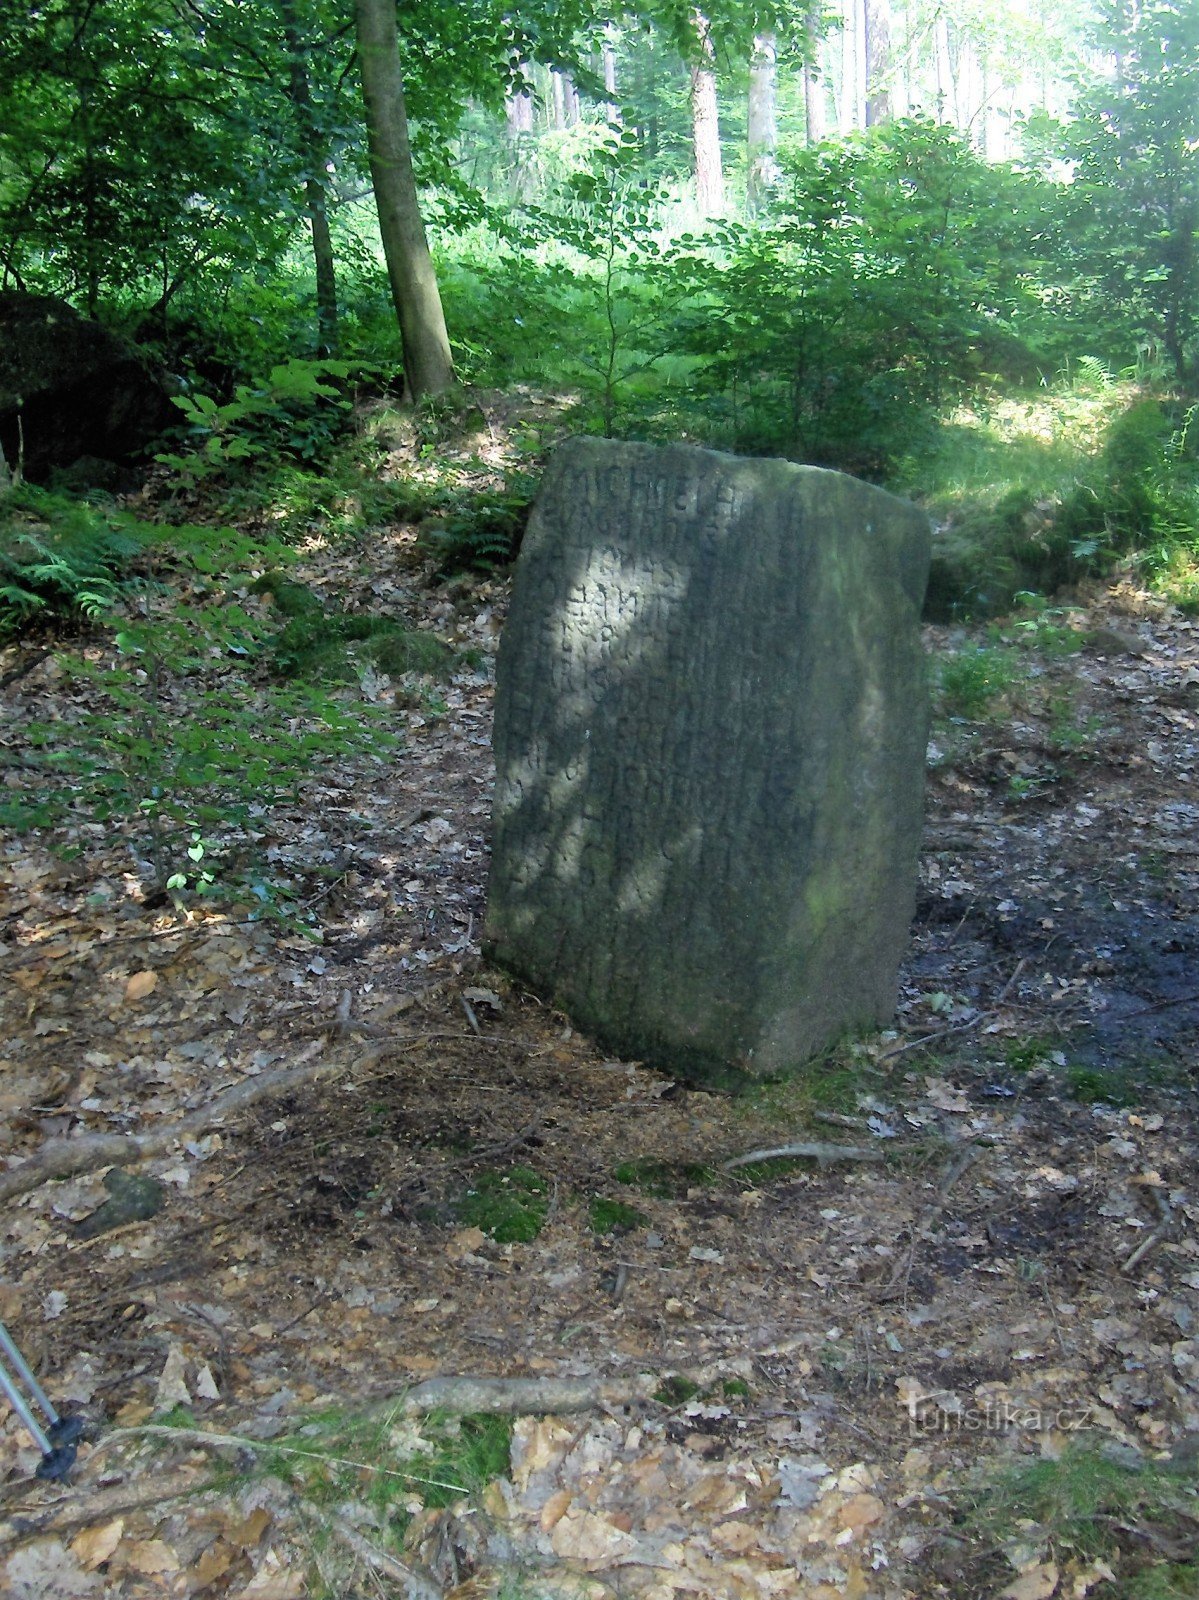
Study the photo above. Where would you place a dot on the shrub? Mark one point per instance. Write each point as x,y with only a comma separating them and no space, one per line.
60,559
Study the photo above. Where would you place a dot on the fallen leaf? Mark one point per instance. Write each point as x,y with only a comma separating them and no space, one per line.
861,1510
274,1581
94,1546
592,1541
247,1533
213,1564
141,984
1038,1583
555,1509
46,1570
172,1387
734,1538
151,1557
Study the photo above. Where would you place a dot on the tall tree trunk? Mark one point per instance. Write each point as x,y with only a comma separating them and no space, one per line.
313,151
557,102
946,88
972,100
851,112
611,103
705,122
877,18
519,111
762,134
428,364
815,121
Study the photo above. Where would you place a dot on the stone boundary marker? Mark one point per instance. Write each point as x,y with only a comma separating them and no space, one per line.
711,719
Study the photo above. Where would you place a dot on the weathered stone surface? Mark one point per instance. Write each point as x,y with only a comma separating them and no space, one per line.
78,389
710,734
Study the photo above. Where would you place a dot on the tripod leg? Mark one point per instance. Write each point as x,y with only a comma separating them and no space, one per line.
21,1368
17,1401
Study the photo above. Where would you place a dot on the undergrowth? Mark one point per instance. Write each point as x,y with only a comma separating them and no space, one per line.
1139,1515
1045,492
62,560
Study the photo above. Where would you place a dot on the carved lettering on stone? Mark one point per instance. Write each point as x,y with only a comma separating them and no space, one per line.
710,729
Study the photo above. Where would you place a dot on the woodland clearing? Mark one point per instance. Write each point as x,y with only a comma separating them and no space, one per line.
795,1374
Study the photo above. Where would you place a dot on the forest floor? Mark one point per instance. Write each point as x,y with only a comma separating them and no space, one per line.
810,1370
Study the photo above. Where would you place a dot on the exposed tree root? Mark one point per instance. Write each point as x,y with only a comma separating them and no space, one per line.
816,1150
74,1509
66,1158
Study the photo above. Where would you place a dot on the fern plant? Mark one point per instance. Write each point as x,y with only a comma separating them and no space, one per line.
60,558
482,531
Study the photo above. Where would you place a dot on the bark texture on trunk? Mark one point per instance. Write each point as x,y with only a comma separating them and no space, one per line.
762,134
947,109
519,110
428,364
878,62
815,121
705,122
315,201
611,103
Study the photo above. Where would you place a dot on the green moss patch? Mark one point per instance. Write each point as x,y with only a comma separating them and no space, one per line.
664,1180
510,1206
613,1216
329,646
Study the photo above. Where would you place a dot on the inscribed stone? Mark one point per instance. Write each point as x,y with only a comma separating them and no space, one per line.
710,729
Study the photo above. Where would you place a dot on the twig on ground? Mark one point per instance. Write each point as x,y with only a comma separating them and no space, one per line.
1164,1230
838,1119
810,1150
932,1038
896,1286
76,1509
517,1396
959,1027
65,1158
470,1017
1163,1005
487,1153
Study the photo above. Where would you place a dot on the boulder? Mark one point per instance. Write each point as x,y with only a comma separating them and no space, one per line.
78,389
710,735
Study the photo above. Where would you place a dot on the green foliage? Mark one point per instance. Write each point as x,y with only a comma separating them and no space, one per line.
332,647
610,216
1086,1503
1025,500
833,1081
477,530
664,1180
390,1466
511,1206
676,1391
294,413
973,679
1026,1055
1040,627
893,262
1103,1086
194,788
613,1216
61,559
1143,496
1130,229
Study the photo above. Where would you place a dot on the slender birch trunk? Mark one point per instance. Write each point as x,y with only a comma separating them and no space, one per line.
705,122
762,135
